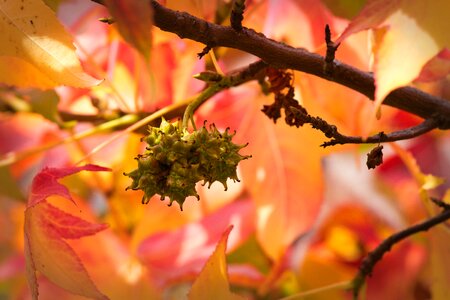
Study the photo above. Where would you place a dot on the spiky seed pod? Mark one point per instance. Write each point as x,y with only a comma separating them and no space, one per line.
175,160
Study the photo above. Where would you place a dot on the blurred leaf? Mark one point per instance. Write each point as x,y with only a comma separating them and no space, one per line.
135,20
250,253
212,283
173,254
284,175
8,185
45,103
437,68
345,8
46,227
36,49
425,181
407,35
440,262
439,235
53,4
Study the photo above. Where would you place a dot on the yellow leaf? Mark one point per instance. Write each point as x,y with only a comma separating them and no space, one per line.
430,182
212,283
33,40
24,74
417,32
446,198
409,34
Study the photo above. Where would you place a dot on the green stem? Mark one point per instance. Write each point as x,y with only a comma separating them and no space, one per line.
340,285
205,95
11,158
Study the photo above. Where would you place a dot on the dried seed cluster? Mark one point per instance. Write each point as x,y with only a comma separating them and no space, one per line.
175,160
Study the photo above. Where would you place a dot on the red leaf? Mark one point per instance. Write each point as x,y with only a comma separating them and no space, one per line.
46,184
45,229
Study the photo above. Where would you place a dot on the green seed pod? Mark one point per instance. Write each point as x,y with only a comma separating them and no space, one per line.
175,160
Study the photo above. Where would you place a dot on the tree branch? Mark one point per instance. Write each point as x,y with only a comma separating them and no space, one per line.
376,255
281,55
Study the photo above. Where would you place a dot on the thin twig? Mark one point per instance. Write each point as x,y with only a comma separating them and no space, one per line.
204,52
408,133
376,255
236,78
331,131
328,67
237,14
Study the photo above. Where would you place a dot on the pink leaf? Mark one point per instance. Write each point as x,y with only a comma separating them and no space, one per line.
185,250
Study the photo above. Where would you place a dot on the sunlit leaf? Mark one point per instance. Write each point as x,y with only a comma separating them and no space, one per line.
46,228
408,34
135,20
33,41
212,283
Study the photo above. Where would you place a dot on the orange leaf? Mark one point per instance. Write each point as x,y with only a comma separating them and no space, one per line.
135,20
35,42
45,229
284,175
212,283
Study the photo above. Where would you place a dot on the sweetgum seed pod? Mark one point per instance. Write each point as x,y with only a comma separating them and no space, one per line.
175,160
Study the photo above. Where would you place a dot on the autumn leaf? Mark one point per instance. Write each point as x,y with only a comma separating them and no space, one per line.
46,227
135,20
36,49
407,35
212,283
